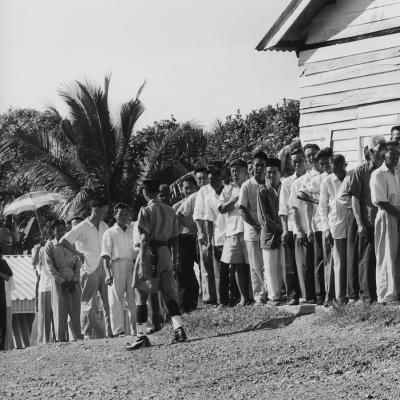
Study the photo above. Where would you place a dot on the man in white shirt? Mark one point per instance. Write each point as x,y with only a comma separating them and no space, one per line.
216,235
119,253
234,251
304,249
385,194
310,192
335,221
87,237
186,277
206,259
248,211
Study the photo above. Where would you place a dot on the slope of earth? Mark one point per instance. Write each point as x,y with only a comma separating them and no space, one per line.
350,354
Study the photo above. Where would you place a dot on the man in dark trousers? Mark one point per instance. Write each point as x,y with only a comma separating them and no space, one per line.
158,227
5,274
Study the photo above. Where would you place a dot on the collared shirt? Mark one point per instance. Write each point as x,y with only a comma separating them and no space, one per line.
118,243
284,194
234,221
88,240
313,189
158,221
185,209
298,204
333,214
385,186
248,199
200,205
212,214
359,188
61,263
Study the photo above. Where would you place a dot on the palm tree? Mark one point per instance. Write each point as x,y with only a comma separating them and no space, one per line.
89,155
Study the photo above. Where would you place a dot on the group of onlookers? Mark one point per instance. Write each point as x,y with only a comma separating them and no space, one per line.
298,228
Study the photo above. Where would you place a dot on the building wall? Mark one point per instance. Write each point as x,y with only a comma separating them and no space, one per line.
349,92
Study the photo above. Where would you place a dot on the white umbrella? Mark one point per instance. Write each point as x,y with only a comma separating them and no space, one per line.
32,201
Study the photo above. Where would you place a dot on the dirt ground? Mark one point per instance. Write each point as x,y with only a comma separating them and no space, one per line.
250,353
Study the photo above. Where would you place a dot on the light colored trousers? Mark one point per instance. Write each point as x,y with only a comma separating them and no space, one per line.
208,289
118,292
340,267
44,317
256,270
91,284
387,256
63,304
273,271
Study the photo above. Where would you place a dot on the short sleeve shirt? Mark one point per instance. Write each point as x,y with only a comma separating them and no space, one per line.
360,188
248,199
212,214
88,240
385,186
284,194
234,221
186,210
200,206
118,244
294,202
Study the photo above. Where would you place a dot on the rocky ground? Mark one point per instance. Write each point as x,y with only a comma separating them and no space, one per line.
250,353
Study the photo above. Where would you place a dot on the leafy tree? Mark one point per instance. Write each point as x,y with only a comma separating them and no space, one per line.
268,128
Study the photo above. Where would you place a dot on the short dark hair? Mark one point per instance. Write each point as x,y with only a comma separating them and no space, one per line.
395,128
261,155
312,146
1,250
295,152
98,202
189,178
120,206
337,159
213,170
57,222
274,162
324,153
238,162
200,169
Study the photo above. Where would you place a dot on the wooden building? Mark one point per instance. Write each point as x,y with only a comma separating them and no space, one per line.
349,69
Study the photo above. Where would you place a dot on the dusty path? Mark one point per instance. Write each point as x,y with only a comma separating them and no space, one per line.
305,360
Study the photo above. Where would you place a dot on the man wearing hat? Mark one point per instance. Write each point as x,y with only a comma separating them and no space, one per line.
158,226
234,251
271,231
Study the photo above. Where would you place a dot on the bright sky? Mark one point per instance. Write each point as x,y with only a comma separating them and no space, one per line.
198,57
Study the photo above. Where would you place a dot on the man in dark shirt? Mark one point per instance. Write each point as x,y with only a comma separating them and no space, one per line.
365,212
5,274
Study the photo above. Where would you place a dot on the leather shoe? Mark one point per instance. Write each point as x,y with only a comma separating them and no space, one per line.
140,343
180,335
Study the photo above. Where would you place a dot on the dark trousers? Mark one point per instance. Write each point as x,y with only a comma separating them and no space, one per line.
353,286
291,278
367,266
319,267
187,281
221,274
3,319
304,253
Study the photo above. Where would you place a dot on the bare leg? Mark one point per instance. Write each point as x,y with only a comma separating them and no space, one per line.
242,282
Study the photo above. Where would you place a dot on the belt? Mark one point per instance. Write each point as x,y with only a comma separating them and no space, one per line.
158,243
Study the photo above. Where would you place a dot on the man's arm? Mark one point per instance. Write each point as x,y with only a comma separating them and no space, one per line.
390,209
107,269
5,271
77,270
355,205
323,212
35,255
248,218
106,251
228,205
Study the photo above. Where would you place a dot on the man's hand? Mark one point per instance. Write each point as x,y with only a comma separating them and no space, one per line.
81,257
328,237
109,280
311,237
303,238
285,238
362,232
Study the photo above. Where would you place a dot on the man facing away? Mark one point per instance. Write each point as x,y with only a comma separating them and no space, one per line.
271,231
87,237
64,269
234,251
186,277
248,211
118,254
385,194
158,228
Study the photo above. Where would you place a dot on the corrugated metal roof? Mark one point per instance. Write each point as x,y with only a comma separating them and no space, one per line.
24,277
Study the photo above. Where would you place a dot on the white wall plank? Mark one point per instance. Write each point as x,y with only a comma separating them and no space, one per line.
328,117
379,109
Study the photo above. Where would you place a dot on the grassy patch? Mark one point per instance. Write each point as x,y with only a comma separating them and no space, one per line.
344,316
